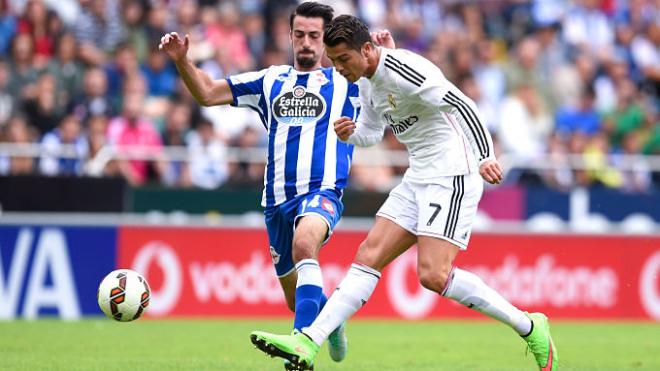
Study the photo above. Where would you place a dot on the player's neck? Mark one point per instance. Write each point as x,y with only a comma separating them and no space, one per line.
373,59
300,68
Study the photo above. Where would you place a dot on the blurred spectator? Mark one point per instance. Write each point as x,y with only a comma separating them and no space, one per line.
628,115
226,33
7,26
525,124
645,50
208,157
66,69
133,135
6,98
177,125
606,85
489,111
99,164
243,173
69,134
491,81
559,174
22,73
98,29
35,24
600,169
160,74
94,99
524,69
44,112
372,177
588,29
188,19
135,34
636,171
253,27
583,118
18,133
124,63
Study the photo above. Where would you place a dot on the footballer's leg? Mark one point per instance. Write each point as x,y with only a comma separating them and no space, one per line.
311,231
385,241
436,273
316,217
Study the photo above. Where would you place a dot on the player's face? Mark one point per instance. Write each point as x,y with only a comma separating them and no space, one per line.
307,41
350,63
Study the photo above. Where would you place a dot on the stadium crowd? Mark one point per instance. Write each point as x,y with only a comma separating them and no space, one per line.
555,81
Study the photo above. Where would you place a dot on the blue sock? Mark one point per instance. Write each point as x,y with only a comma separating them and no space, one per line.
324,299
309,293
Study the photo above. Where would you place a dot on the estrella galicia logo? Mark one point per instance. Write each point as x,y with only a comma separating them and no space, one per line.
298,107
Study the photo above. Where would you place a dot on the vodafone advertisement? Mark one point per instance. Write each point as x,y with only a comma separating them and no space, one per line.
228,272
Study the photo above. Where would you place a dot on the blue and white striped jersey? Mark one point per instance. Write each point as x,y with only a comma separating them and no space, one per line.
298,109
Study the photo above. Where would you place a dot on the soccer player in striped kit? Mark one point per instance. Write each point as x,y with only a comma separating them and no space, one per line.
307,166
450,151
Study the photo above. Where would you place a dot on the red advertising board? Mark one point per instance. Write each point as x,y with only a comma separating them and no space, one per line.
228,272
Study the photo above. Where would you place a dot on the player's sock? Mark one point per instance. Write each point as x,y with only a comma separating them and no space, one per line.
309,290
324,300
351,294
469,290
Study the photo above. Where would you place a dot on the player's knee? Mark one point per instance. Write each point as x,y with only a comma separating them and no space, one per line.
303,249
434,279
368,255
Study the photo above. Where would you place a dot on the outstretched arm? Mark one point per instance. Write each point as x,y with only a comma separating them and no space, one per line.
383,38
207,92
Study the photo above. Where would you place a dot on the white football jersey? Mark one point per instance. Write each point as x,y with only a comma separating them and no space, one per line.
440,126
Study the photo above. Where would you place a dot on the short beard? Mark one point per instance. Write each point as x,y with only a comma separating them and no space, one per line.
306,62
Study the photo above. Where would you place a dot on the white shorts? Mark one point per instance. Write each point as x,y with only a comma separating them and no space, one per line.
443,210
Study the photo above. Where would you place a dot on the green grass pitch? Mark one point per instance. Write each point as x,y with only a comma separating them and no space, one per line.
102,344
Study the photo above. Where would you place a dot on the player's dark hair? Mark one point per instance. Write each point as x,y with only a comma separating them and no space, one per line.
312,9
346,29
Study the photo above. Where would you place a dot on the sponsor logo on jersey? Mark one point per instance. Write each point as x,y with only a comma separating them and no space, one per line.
399,127
298,107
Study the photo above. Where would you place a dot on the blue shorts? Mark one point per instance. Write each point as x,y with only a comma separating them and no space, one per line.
281,223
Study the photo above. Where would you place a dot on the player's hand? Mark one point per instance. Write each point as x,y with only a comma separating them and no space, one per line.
383,38
344,128
175,47
491,171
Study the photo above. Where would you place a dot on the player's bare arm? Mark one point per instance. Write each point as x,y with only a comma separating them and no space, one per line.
207,92
383,38
491,171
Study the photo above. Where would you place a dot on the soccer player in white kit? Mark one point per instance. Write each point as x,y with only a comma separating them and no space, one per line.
450,151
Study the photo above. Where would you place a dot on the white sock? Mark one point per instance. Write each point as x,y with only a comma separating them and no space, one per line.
351,294
469,290
309,273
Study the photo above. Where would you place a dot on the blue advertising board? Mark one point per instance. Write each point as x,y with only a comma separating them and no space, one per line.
614,206
53,270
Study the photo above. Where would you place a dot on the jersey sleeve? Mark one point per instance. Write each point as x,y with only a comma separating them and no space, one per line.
247,88
369,129
455,103
419,80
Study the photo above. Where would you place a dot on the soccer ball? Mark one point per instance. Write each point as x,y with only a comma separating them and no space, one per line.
123,295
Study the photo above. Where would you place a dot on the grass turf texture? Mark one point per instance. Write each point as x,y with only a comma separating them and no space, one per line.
102,344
